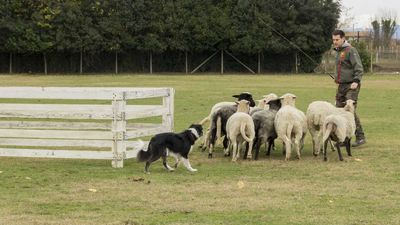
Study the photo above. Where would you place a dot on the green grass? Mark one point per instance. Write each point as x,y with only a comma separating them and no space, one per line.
361,190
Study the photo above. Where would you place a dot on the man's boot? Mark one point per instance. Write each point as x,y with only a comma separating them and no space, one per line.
359,142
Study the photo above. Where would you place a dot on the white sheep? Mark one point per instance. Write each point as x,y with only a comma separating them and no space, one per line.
291,125
211,136
214,109
340,127
263,103
316,113
269,97
239,128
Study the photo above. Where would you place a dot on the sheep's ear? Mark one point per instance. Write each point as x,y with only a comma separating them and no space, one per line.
237,102
235,96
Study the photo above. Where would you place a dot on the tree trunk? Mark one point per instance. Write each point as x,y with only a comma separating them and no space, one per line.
222,61
296,59
116,62
10,63
81,62
45,63
186,63
151,62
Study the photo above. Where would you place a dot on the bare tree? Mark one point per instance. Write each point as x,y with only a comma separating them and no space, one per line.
346,19
388,26
376,29
388,30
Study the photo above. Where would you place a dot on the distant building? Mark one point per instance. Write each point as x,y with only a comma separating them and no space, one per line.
359,35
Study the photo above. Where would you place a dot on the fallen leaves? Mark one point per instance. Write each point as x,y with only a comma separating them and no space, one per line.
92,190
240,184
357,160
139,179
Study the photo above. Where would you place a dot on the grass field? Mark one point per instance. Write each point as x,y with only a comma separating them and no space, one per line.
364,189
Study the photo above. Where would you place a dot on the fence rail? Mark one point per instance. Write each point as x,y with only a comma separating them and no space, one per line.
27,129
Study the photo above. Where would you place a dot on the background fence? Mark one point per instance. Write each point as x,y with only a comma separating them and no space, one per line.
145,62
383,60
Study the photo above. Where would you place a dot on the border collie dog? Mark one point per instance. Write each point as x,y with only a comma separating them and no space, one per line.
178,145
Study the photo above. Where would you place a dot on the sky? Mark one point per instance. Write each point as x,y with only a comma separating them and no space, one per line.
364,11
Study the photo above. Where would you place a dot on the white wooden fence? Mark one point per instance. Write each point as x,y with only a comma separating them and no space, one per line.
27,129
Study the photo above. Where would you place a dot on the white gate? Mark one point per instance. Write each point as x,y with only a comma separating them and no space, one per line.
64,122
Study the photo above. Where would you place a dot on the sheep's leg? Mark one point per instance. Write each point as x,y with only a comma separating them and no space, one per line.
212,139
227,150
332,146
239,147
284,149
288,146
297,145
246,150
257,145
206,141
348,146
324,150
234,149
301,142
338,151
210,151
314,147
270,145
317,143
226,145
250,145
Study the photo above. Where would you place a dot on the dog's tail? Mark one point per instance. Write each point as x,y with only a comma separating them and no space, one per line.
143,154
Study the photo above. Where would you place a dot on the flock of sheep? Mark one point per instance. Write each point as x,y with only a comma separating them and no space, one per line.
277,117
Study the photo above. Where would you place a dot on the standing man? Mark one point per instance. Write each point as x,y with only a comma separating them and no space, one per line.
349,71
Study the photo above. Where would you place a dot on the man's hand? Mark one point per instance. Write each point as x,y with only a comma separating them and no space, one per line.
354,85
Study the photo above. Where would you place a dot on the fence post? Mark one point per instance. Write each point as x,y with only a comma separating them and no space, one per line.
168,102
372,63
119,129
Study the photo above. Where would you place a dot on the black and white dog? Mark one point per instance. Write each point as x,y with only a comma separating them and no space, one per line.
177,145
